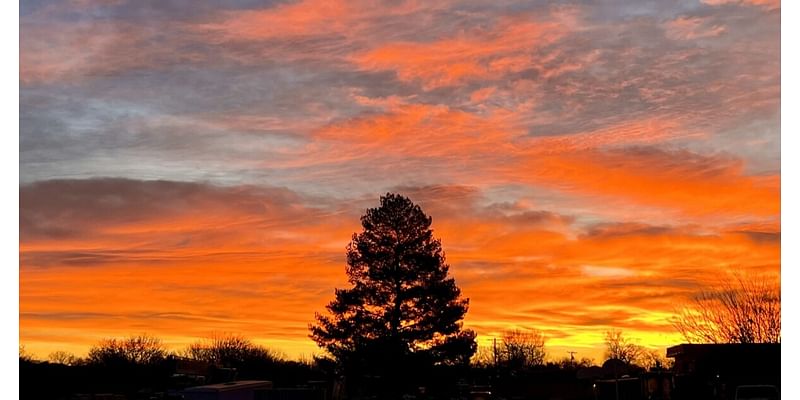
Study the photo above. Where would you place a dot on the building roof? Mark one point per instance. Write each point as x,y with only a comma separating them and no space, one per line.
695,349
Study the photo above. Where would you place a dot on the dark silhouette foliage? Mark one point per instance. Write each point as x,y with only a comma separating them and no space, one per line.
247,359
567,363
403,309
229,351
113,365
134,367
135,350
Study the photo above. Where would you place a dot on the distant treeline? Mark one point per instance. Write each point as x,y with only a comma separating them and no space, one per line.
141,366
516,349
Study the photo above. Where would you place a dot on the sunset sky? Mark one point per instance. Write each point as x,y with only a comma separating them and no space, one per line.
191,169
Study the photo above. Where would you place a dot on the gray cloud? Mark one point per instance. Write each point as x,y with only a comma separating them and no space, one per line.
73,208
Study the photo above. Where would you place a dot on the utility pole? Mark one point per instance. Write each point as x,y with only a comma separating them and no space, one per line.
494,352
616,382
572,356
496,373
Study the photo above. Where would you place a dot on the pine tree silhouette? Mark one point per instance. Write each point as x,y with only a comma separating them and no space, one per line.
403,312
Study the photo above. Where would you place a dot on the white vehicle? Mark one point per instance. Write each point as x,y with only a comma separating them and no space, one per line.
757,392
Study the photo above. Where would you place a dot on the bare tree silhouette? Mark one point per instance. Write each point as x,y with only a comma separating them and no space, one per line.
622,348
522,348
738,309
24,355
64,357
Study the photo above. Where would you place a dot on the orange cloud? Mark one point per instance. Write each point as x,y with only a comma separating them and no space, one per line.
411,130
482,94
493,148
478,54
158,258
158,255
644,132
306,18
673,179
